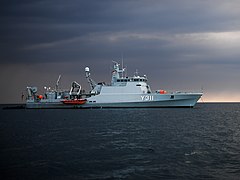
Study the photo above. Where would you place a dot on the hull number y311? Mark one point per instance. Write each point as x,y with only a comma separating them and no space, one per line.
147,98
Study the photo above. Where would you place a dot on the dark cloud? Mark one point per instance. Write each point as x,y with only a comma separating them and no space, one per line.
179,44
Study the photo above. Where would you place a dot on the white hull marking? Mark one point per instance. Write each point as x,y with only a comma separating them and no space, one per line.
147,98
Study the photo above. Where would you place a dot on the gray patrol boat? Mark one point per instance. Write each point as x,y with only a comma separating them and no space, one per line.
123,92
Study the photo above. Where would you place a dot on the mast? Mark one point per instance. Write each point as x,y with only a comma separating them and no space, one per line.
90,81
116,72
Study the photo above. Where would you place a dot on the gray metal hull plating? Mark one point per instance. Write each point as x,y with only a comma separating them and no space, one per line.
145,101
127,101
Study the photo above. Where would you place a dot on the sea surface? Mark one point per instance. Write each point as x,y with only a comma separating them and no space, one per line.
168,143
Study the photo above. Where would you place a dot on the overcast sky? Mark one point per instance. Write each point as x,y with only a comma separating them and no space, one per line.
181,45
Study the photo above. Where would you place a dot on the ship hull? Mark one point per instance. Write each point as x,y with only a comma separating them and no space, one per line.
181,100
144,101
156,104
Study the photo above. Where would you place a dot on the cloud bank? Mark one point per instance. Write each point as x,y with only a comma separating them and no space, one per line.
179,44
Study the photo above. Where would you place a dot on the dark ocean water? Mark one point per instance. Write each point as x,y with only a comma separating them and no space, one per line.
198,143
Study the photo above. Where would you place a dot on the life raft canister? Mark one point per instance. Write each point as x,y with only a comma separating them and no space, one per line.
162,91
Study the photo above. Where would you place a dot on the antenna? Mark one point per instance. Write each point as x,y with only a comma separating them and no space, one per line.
122,67
115,62
136,73
126,71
